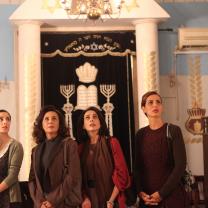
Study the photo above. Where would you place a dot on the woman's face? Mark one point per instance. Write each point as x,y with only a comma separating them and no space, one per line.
153,106
50,124
5,122
91,122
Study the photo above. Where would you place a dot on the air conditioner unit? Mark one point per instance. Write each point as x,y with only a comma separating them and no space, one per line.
196,38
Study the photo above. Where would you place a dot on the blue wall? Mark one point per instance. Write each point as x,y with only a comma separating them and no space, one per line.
186,15
182,14
6,43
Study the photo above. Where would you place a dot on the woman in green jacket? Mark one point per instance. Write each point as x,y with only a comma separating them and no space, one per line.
11,155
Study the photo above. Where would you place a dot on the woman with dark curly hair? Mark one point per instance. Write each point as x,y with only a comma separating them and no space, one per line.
51,184
104,171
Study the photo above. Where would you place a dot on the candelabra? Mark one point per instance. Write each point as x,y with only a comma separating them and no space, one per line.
108,91
67,91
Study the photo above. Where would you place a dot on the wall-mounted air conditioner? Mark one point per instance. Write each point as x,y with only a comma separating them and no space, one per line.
192,38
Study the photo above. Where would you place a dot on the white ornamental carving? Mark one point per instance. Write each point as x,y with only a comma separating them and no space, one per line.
87,73
67,91
108,91
86,97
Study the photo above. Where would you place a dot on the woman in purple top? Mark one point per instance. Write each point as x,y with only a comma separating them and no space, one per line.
158,171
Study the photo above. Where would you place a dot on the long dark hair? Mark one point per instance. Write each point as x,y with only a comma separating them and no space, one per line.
5,111
38,132
82,135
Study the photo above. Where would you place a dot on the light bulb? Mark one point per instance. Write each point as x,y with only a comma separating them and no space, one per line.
51,3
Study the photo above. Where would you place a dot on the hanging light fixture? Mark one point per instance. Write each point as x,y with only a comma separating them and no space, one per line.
4,84
93,9
90,9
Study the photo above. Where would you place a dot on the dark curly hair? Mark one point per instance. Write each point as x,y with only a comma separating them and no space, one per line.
5,111
82,135
38,132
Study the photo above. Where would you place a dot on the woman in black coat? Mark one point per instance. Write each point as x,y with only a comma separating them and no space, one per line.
158,167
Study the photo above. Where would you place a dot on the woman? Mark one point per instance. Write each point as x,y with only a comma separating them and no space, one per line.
104,171
51,184
11,155
158,170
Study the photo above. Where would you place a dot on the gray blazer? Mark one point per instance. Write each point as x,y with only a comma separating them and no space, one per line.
62,184
14,164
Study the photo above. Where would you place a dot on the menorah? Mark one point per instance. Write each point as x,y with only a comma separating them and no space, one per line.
67,91
108,91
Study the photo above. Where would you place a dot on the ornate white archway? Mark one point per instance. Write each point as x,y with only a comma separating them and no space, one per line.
30,19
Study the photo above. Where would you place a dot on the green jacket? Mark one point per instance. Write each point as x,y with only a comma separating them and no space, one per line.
14,164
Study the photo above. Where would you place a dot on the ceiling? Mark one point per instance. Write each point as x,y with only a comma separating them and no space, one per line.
33,10
181,13
11,1
179,1
159,1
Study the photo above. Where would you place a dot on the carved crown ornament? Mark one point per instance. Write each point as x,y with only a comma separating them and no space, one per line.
87,95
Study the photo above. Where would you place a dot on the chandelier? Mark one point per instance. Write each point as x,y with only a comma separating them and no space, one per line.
90,9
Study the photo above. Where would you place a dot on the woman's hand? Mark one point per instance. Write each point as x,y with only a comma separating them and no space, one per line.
86,203
148,200
156,197
110,204
144,196
46,204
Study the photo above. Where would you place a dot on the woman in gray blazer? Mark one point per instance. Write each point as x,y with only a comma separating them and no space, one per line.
55,176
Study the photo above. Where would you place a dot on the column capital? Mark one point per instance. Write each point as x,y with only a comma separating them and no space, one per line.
26,22
146,20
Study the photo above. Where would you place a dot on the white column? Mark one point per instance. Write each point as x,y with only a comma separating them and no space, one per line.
29,87
147,60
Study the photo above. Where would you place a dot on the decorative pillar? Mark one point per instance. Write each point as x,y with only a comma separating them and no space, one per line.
29,87
147,60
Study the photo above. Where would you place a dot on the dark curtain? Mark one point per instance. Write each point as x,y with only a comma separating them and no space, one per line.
60,70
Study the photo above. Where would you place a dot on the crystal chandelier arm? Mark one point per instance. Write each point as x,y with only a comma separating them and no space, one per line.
93,9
